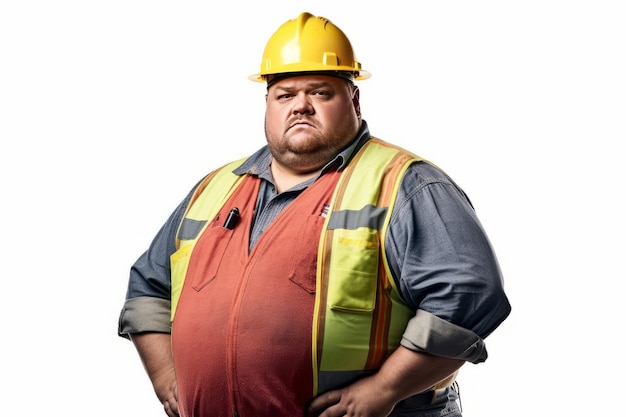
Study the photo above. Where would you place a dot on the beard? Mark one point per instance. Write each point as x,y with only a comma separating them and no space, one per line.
307,152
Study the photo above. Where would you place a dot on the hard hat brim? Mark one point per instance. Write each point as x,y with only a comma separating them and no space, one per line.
362,75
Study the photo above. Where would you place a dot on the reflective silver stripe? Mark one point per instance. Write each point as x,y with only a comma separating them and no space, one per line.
190,228
369,216
328,380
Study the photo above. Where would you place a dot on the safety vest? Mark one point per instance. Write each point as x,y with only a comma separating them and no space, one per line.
359,314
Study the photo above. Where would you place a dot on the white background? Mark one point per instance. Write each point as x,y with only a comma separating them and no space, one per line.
111,110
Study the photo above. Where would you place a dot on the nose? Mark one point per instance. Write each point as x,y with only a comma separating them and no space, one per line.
302,104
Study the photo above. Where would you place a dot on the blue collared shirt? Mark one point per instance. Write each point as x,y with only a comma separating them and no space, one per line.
437,250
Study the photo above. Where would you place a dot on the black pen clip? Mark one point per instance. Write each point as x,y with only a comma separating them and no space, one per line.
232,218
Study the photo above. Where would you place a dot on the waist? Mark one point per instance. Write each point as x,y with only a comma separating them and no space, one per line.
420,401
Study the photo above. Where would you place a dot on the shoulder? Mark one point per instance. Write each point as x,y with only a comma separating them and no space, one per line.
423,174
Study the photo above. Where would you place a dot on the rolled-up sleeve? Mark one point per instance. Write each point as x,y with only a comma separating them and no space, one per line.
445,267
145,314
428,333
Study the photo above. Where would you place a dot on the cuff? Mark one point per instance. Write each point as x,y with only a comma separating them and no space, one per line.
144,314
428,333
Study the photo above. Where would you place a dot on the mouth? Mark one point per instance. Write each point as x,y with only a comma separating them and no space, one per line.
298,123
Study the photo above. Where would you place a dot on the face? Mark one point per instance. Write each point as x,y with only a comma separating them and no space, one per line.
308,119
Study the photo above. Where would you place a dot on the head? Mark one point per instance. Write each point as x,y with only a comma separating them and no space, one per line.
312,103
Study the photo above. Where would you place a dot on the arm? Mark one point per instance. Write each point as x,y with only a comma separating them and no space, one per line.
155,352
442,259
403,374
447,272
145,317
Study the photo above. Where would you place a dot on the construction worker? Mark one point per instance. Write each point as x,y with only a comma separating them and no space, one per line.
330,273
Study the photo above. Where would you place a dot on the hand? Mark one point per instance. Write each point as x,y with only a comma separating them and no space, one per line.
166,390
155,350
364,398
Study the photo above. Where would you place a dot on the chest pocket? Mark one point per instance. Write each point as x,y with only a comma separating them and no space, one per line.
304,258
355,262
214,241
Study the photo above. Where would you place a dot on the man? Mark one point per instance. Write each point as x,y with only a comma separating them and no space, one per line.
330,273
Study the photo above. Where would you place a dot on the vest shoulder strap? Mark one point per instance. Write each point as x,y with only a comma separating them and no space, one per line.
359,313
220,184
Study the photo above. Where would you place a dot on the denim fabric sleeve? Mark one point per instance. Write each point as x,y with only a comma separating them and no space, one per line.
443,262
148,295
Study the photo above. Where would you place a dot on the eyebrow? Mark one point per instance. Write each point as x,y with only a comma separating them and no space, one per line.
311,85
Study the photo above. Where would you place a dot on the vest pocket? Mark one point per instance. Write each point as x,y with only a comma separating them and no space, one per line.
353,270
209,252
304,255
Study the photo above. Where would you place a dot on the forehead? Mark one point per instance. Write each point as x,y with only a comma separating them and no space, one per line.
309,80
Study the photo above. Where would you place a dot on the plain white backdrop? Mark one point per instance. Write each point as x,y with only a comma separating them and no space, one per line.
111,111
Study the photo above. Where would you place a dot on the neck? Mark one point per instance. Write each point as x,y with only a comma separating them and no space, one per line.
285,178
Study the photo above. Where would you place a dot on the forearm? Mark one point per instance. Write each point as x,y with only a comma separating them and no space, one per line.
155,351
406,373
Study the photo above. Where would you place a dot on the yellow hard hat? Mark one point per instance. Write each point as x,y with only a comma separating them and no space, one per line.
308,44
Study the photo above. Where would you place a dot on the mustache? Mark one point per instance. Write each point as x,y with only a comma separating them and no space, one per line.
294,121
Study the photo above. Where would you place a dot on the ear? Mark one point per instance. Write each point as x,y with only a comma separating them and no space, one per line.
356,100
